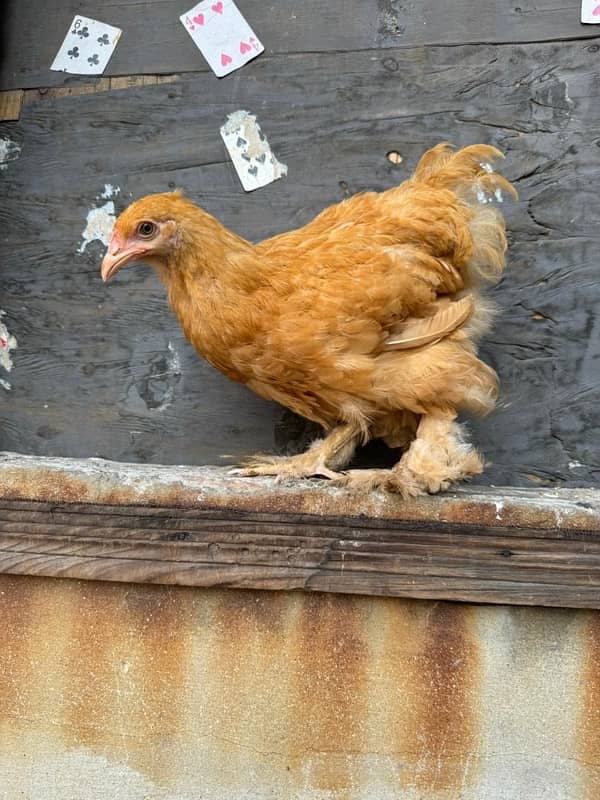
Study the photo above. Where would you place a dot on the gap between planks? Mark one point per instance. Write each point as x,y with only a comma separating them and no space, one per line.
12,101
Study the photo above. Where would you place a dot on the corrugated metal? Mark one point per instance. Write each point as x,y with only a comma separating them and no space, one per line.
161,693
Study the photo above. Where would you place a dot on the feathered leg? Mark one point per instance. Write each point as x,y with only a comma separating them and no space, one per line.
323,457
438,457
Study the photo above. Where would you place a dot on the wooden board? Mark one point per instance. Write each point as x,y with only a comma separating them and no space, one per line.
154,545
200,527
154,41
105,371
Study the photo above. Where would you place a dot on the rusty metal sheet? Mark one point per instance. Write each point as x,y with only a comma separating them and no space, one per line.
161,693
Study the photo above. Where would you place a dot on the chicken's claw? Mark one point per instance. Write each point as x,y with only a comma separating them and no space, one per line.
369,480
285,467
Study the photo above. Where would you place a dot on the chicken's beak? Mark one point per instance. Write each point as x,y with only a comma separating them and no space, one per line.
117,256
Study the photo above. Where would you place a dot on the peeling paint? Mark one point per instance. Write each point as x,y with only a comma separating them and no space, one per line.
8,342
9,151
109,191
99,225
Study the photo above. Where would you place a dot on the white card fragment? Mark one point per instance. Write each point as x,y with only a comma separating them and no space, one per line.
99,225
222,35
590,12
100,219
8,342
250,151
87,47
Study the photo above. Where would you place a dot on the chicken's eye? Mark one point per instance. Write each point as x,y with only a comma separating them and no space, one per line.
146,229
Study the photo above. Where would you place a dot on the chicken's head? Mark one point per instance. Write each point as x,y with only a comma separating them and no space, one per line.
148,230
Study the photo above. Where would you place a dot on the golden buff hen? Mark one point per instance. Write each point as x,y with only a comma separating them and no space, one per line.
365,320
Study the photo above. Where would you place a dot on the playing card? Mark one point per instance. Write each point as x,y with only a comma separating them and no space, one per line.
222,35
87,47
590,11
250,151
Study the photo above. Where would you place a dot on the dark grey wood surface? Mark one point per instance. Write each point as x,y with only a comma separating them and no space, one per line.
105,371
154,41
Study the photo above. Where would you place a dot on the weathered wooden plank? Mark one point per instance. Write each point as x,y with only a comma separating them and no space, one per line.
106,372
10,105
11,102
573,565
205,528
154,41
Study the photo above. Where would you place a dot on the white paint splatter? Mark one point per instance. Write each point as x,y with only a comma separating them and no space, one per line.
8,342
170,376
499,506
482,196
109,191
498,195
575,464
173,360
487,167
99,225
9,151
567,97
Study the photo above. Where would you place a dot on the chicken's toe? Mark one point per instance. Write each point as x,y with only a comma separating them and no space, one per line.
285,467
363,480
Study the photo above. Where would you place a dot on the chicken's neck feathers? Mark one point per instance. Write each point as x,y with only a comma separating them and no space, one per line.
210,280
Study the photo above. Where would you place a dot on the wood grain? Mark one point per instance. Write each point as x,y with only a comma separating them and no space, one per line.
154,41
94,519
206,547
105,371
10,105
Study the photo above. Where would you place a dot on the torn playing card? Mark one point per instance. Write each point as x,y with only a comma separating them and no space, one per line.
222,35
87,47
250,152
590,12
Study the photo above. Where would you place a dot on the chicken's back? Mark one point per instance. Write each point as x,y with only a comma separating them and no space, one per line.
342,283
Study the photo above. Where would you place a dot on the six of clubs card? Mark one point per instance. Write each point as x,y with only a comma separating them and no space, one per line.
87,47
222,34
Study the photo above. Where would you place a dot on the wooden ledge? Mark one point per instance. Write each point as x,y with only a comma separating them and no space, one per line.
96,519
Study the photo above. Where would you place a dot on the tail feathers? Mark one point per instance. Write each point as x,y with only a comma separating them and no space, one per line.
469,174
469,168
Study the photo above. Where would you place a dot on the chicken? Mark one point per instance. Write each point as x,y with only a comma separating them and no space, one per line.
365,320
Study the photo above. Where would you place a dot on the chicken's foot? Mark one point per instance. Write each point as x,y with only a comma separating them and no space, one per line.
323,458
438,457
